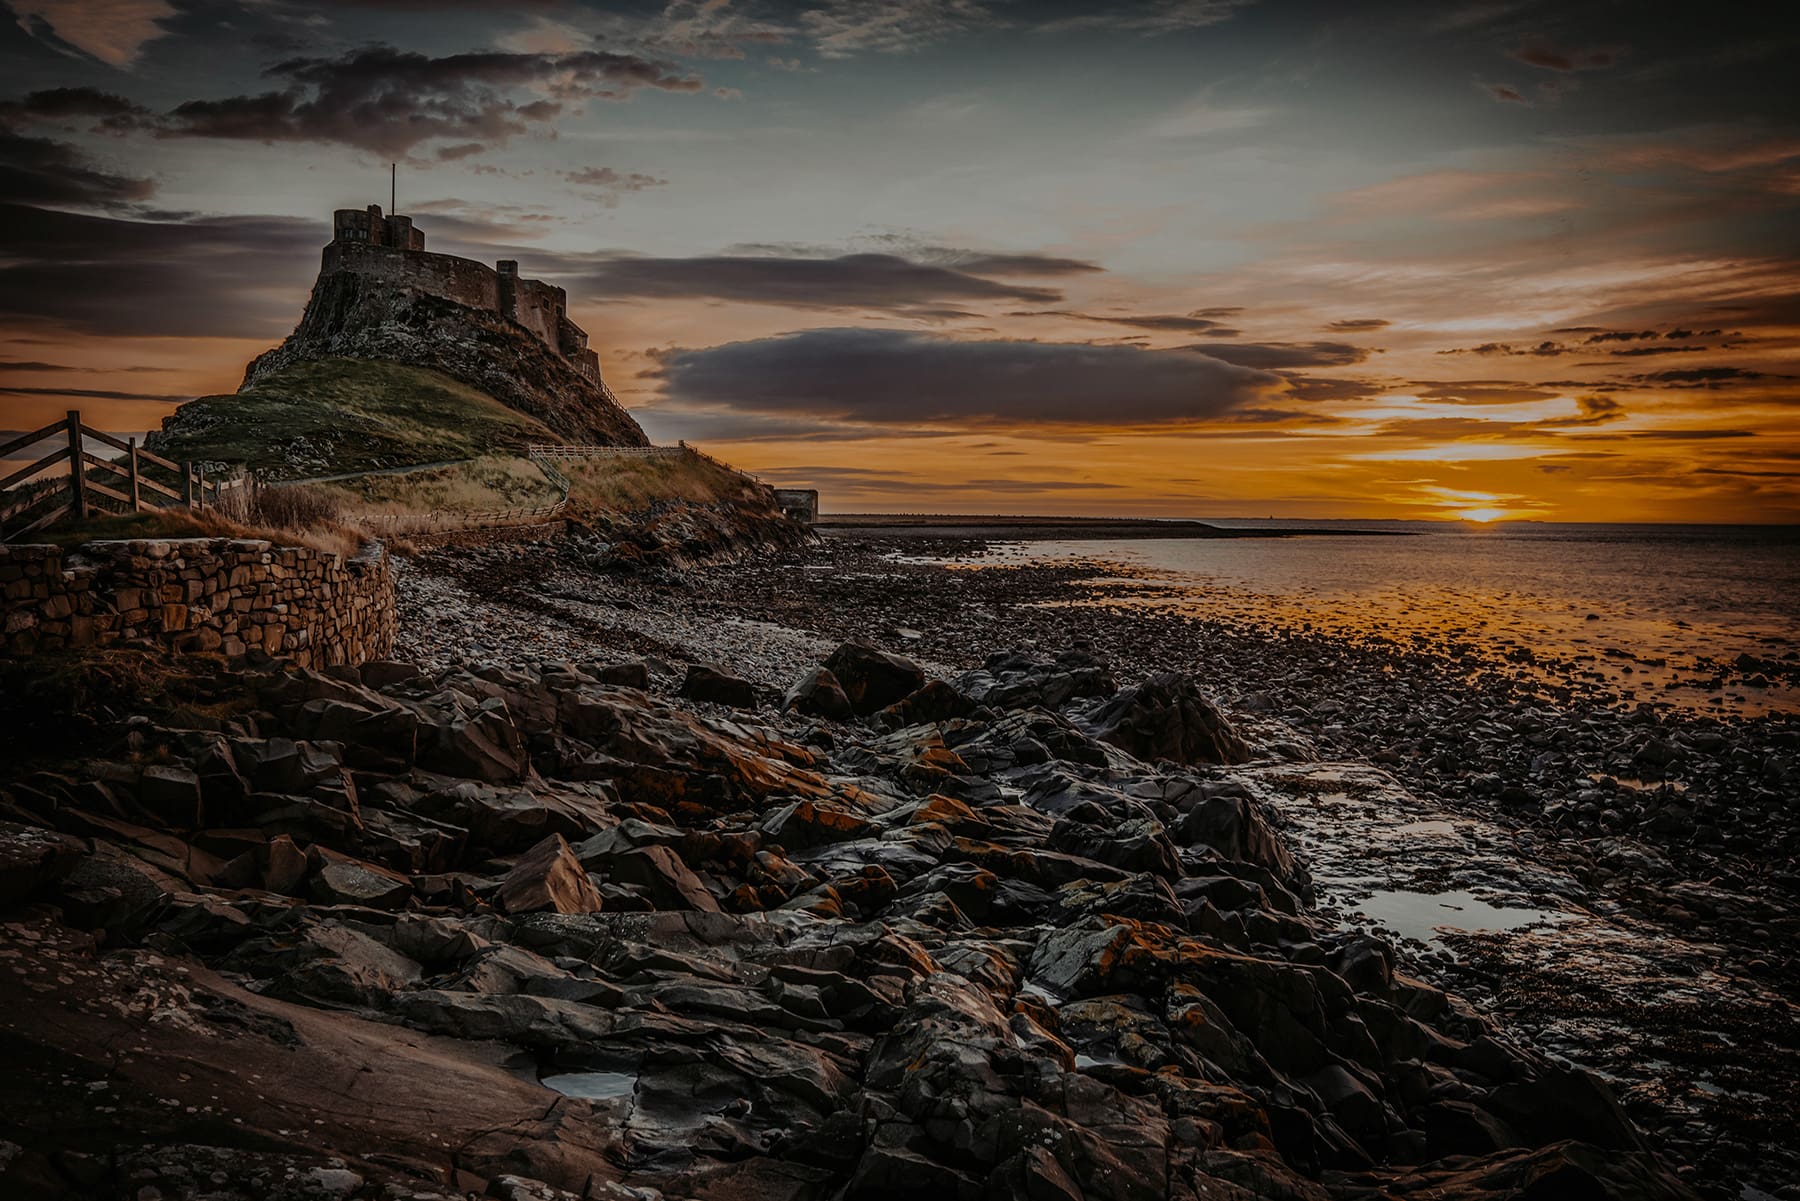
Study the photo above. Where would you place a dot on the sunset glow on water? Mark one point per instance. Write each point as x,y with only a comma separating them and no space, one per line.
1652,612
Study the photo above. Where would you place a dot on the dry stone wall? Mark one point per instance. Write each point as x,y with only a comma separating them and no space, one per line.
228,595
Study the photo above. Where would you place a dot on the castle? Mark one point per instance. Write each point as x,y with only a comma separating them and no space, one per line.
391,248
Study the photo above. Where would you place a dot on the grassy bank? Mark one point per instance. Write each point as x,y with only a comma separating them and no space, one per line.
343,415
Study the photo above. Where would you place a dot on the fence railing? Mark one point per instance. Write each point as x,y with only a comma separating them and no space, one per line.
42,493
539,450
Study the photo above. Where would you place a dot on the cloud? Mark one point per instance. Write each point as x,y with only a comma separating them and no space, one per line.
1554,58
1506,93
75,106
606,184
1194,323
1270,355
1481,392
112,31
391,101
894,377
841,28
851,281
114,276
1151,17
42,171
1546,349
1357,325
1701,377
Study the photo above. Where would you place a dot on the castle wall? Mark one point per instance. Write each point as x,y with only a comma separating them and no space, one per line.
462,280
227,595
392,249
539,308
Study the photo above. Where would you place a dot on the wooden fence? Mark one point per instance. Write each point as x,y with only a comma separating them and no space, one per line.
42,493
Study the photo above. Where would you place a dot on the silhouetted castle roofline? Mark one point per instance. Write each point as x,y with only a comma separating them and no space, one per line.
391,248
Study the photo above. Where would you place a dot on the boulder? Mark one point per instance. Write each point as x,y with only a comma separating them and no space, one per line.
873,679
342,880
1167,717
1016,680
818,695
718,687
548,876
173,794
662,876
936,701
31,857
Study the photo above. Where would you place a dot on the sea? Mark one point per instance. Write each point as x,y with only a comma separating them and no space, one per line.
1653,613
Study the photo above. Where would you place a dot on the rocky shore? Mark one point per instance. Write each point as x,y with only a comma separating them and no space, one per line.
829,875
1644,858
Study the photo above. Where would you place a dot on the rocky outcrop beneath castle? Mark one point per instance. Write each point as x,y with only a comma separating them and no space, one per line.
536,932
364,314
229,595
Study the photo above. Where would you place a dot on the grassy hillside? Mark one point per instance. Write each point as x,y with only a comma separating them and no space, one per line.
626,485
487,484
341,415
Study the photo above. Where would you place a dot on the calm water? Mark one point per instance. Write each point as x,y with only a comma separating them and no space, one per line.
1637,608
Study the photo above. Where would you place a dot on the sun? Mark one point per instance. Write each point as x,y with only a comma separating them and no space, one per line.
1481,515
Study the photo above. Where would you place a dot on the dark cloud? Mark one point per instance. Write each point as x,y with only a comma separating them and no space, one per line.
1319,387
893,377
851,281
1555,58
82,105
32,365
207,277
1541,350
91,394
1503,92
606,184
1357,325
1270,355
390,101
981,263
1700,377
1191,323
42,171
1638,352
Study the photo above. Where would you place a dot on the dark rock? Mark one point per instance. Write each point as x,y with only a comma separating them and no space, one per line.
32,857
935,702
660,873
549,877
172,793
704,683
1016,680
818,695
341,880
871,678
1167,717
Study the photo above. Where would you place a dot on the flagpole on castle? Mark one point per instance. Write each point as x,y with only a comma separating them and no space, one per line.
393,187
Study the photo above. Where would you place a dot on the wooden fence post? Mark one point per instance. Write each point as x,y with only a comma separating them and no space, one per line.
187,483
136,503
200,483
77,477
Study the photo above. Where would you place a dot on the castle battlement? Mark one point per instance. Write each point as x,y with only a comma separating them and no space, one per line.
392,248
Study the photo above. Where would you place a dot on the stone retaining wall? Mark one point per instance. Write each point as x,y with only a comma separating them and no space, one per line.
198,594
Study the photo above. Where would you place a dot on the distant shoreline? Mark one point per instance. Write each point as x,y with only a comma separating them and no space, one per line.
1065,529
